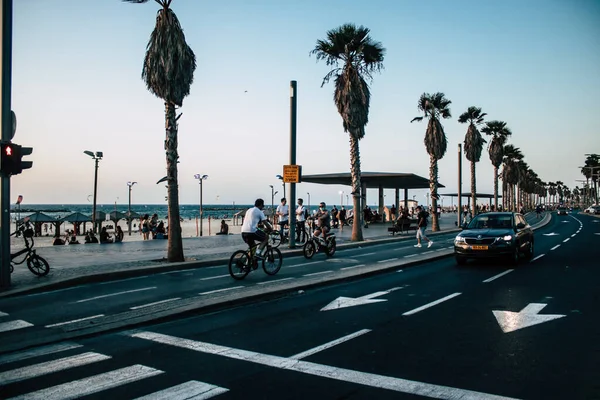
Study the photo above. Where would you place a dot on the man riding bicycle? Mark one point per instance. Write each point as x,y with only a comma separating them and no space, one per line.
250,232
324,221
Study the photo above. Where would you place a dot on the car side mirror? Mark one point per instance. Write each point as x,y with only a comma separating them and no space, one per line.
464,226
521,225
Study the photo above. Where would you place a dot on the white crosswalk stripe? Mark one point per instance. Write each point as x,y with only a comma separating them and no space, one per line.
39,351
3,314
189,390
33,371
12,325
93,384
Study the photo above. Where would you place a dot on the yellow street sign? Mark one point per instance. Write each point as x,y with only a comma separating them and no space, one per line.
292,173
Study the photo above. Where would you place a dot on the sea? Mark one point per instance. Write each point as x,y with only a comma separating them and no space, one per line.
186,211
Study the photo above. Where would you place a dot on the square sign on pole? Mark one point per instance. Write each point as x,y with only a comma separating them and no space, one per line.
292,173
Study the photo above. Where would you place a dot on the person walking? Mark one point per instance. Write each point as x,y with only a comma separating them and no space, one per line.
422,217
301,213
283,211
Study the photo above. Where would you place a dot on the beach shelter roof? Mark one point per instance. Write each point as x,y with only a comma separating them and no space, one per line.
76,217
100,216
117,216
39,216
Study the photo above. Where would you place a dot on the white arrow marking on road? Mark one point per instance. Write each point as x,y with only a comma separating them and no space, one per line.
551,234
596,233
511,321
343,302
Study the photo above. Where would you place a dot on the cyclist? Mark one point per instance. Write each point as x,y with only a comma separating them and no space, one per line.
324,221
250,232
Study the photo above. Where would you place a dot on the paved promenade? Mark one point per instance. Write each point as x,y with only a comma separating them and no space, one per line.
75,261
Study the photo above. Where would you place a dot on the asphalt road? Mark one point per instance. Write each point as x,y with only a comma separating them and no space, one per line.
433,331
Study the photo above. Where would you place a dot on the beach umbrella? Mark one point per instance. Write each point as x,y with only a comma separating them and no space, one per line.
40,217
116,216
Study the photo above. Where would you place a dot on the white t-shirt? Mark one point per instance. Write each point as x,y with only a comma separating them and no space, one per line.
300,214
253,216
285,210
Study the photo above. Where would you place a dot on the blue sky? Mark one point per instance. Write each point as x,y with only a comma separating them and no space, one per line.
77,86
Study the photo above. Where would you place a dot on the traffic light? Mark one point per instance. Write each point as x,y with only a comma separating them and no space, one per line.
12,162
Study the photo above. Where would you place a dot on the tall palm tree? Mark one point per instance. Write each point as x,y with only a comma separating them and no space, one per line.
355,56
591,170
434,106
168,71
552,192
559,190
499,132
510,173
473,146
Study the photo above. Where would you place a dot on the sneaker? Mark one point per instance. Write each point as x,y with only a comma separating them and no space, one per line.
429,244
418,245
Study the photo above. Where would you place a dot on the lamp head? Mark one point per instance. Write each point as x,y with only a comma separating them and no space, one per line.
130,184
279,177
99,154
89,153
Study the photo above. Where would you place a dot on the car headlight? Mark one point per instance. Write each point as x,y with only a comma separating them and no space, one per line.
507,238
459,239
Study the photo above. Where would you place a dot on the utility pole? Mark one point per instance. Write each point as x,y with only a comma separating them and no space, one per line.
6,118
292,201
459,207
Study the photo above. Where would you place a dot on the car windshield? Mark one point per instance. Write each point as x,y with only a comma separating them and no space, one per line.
491,222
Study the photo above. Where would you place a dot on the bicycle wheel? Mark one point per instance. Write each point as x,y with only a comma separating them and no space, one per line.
309,249
272,262
331,247
239,265
38,265
274,239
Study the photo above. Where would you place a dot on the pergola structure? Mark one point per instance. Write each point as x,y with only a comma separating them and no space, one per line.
467,195
375,180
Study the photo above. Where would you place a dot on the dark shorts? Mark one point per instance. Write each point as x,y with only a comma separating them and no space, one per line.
250,238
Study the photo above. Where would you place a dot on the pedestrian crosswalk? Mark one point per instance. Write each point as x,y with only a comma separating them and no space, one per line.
10,325
58,358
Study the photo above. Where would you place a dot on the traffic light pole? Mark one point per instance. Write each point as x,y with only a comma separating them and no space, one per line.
6,126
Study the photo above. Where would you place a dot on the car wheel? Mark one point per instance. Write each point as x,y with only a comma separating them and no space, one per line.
529,255
460,260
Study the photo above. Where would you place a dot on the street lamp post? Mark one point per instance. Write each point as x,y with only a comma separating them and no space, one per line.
341,198
200,179
308,194
130,185
96,157
282,183
273,193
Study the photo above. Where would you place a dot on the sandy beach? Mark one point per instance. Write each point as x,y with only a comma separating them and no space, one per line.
190,228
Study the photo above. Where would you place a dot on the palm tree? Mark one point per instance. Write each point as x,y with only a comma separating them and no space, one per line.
552,192
434,106
499,132
510,173
559,190
591,169
168,71
354,57
473,146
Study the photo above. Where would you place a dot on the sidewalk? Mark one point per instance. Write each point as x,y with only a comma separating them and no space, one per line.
77,264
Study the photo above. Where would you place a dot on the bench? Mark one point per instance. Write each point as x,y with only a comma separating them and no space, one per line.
403,225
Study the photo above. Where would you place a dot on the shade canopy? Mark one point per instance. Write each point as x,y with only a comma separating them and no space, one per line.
39,216
116,216
76,217
468,194
373,180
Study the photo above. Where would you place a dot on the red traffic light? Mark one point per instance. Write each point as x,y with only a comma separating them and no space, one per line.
8,150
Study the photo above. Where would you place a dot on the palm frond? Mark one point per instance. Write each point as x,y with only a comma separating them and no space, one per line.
419,119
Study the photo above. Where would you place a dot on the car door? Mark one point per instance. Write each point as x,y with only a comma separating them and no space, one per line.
525,232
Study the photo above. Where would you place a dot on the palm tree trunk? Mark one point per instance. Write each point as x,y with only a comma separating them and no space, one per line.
175,244
357,234
495,187
473,189
433,178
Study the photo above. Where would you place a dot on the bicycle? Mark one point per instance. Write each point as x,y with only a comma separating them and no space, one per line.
275,236
314,244
36,264
243,261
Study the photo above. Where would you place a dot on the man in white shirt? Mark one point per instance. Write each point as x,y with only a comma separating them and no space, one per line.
300,221
283,211
250,232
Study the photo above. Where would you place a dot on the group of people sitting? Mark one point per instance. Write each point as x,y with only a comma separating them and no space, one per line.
153,226
90,237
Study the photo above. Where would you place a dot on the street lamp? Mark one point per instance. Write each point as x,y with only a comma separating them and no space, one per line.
341,198
200,179
282,183
96,157
130,184
273,193
308,194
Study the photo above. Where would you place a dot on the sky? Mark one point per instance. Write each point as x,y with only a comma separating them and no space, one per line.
77,86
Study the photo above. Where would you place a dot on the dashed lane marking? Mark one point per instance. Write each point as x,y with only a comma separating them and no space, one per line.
214,277
433,303
498,276
538,257
364,255
566,240
352,267
388,260
304,264
318,273
75,320
115,294
155,303
555,247
411,255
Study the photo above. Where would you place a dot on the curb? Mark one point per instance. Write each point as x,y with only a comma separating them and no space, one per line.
155,269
